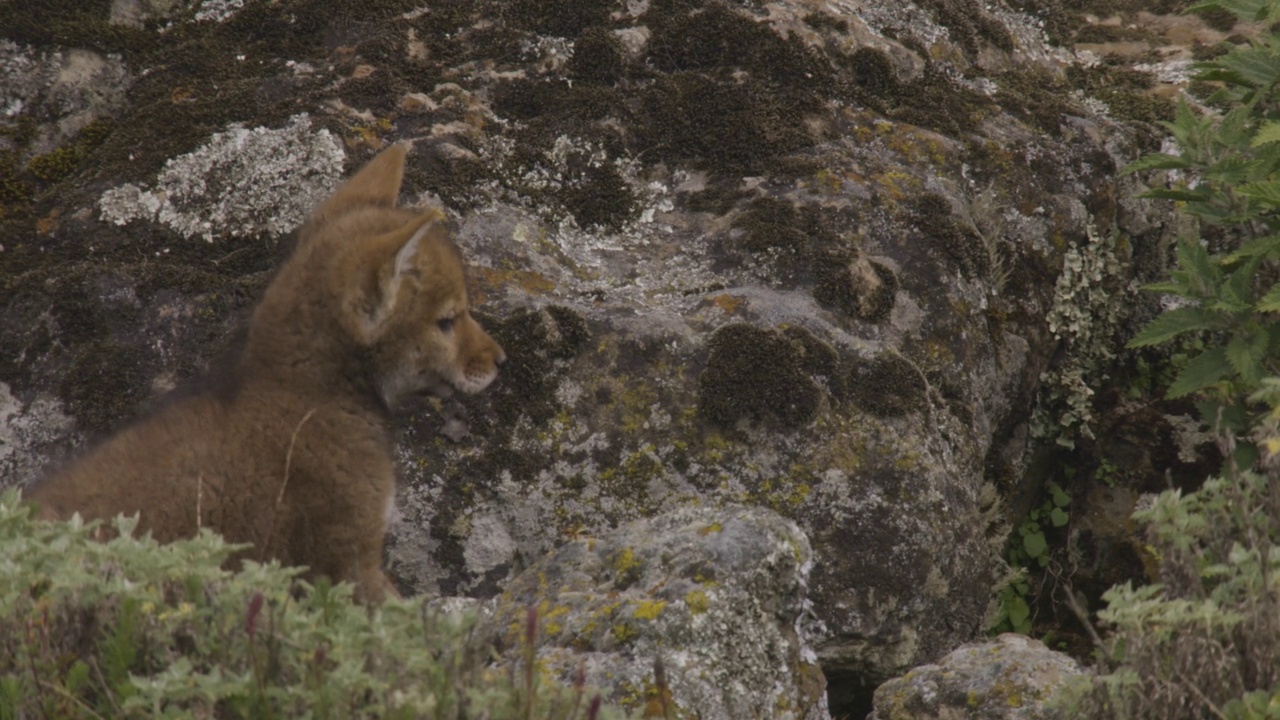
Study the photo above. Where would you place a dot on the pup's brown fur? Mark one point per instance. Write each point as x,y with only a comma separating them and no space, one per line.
296,457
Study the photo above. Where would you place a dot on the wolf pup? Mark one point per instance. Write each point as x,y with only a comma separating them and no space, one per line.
296,456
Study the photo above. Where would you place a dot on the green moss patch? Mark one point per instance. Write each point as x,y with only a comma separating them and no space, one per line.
560,18
722,126
719,38
932,100
534,341
809,246
60,163
759,375
888,386
71,23
956,241
1124,90
970,24
873,71
855,286
597,58
104,384
1034,96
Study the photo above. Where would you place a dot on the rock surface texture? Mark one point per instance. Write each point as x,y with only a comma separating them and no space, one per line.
717,596
795,255
1008,679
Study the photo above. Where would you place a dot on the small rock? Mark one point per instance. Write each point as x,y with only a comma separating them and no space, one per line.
1011,678
417,103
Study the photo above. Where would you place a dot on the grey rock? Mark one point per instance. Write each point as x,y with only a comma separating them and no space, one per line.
64,90
1011,678
716,596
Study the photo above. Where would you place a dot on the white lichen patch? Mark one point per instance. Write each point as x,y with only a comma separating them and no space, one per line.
488,545
27,431
242,183
218,10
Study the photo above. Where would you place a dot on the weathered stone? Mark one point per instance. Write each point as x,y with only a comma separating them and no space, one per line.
1011,678
716,596
62,90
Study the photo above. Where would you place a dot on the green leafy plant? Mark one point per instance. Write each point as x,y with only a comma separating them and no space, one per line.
1029,550
1226,176
128,628
1202,641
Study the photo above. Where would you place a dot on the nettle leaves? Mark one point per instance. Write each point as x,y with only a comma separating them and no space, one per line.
1226,173
1221,295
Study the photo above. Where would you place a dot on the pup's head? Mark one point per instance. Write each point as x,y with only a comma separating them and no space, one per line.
400,286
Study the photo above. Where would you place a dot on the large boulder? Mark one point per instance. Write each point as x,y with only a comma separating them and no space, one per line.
743,252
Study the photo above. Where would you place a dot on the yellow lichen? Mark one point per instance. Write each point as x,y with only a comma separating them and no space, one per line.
649,609
697,601
623,633
625,561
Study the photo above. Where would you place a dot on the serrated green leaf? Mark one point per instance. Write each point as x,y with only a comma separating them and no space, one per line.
1186,124
1173,323
1267,192
1176,195
1236,294
1201,371
1194,259
1246,10
1157,161
1231,169
1270,302
1245,352
1268,133
1231,417
1233,131
1258,247
1173,288
1259,66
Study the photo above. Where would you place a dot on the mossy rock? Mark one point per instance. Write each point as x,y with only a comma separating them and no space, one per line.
856,286
598,58
534,340
955,240
888,386
873,71
104,384
758,375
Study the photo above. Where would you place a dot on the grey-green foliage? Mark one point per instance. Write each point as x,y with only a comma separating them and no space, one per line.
131,629
1205,640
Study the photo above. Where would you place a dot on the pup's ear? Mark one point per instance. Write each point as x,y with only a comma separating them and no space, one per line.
373,274
377,184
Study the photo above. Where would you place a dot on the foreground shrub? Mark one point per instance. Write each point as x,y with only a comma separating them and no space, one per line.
1204,642
132,629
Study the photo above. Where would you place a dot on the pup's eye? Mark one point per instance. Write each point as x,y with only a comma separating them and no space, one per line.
445,324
